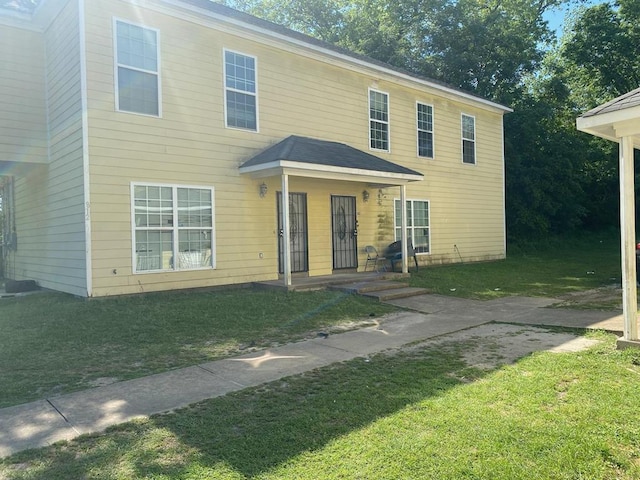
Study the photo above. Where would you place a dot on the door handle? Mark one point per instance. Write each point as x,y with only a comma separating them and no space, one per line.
281,232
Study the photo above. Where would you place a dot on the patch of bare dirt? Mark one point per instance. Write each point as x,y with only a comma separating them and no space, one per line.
492,345
609,297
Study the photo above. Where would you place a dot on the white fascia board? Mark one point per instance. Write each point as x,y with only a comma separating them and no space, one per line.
602,120
612,125
173,8
605,132
312,170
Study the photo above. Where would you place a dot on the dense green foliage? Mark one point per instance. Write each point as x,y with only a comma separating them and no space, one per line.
558,179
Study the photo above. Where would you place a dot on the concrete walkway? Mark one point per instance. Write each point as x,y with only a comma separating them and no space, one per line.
65,417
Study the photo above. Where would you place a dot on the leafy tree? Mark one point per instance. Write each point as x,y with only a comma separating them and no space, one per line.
546,158
483,46
601,51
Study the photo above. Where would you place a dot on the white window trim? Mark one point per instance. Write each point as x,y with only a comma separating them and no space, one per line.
388,122
174,229
428,202
116,64
433,128
462,139
225,88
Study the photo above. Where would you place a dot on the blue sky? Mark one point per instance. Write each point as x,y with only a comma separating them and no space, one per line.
556,16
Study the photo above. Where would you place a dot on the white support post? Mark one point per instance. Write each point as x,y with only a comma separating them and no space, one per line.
286,237
628,240
403,236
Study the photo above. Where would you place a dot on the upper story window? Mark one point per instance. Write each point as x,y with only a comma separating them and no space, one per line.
378,120
241,104
137,69
173,227
468,139
425,130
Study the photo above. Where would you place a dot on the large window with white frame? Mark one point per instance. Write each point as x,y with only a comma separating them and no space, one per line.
241,93
424,115
468,139
378,120
137,68
173,227
418,230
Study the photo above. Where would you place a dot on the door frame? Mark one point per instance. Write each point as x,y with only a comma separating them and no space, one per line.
346,259
298,224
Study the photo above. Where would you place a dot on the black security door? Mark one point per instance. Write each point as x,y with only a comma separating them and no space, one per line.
344,232
297,233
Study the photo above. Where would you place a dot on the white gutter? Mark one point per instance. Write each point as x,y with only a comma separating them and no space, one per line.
85,149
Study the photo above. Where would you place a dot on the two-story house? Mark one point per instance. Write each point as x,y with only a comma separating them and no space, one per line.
148,145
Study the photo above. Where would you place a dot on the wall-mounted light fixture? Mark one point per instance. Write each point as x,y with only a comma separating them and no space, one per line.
365,196
263,190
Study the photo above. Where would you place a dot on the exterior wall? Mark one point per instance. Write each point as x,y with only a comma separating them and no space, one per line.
49,199
297,94
23,130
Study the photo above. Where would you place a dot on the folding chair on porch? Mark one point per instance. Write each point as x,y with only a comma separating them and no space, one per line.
373,258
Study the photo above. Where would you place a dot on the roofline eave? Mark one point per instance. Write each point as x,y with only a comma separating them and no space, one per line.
327,172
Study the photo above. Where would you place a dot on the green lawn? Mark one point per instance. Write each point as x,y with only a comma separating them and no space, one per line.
558,267
417,414
422,413
55,343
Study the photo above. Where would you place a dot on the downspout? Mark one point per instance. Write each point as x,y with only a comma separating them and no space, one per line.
85,148
504,190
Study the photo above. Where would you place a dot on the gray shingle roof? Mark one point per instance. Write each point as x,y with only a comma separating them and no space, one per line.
628,100
322,152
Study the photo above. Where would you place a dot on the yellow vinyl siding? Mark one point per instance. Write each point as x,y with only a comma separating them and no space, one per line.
297,95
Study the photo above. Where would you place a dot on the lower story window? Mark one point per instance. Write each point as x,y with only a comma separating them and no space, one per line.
417,224
173,227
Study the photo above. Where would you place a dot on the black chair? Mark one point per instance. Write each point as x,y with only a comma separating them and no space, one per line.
393,253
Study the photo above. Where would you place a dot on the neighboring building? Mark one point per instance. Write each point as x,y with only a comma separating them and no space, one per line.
144,146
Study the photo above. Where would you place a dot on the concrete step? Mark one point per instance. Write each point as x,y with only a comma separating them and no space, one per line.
385,295
370,286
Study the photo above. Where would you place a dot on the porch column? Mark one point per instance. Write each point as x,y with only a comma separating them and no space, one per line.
628,240
286,244
403,235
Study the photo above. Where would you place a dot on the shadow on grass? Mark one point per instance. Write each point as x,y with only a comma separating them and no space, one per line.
255,430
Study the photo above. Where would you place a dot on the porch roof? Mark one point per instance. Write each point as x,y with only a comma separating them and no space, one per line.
615,119
310,157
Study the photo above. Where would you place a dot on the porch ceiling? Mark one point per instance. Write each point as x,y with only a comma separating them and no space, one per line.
309,157
615,119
